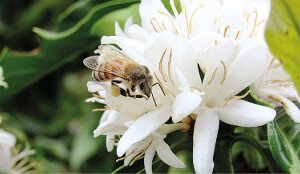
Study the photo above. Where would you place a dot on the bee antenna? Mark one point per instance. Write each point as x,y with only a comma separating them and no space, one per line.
160,87
153,99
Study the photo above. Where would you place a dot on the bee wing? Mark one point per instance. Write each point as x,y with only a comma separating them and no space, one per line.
91,62
109,52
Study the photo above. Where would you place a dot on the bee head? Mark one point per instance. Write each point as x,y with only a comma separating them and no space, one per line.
145,85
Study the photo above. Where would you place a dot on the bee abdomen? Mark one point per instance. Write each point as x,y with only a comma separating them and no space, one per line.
106,71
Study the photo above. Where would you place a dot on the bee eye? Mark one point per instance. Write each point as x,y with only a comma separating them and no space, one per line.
142,85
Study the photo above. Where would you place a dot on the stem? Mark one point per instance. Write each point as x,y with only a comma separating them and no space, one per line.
222,156
254,143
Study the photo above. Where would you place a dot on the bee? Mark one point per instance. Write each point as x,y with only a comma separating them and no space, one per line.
127,77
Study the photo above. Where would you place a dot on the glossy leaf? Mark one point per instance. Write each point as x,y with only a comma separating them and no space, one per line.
57,49
283,35
284,142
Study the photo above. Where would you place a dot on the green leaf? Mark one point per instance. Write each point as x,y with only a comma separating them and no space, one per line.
84,146
57,49
284,142
109,20
283,35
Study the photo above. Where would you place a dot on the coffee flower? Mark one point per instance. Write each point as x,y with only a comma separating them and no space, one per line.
12,161
276,87
2,82
203,57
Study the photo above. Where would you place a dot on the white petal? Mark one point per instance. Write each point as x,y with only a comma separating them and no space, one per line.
137,32
128,23
246,114
166,155
181,80
95,99
205,135
142,128
291,109
148,158
184,104
153,13
118,30
7,138
94,87
245,70
123,42
110,142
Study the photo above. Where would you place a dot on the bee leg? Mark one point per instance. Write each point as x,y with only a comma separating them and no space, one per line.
116,82
159,87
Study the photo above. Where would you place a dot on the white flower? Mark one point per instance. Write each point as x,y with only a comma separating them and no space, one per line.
10,160
2,82
114,124
223,38
276,87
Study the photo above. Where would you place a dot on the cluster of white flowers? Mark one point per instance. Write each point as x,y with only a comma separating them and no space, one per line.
11,160
207,57
2,82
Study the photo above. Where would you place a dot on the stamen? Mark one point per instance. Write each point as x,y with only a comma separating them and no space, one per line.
169,67
237,35
225,31
161,66
212,77
275,98
236,98
152,20
192,16
284,82
187,22
164,26
224,74
171,19
120,159
99,109
255,23
98,96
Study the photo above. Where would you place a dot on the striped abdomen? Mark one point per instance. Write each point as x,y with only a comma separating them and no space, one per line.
108,71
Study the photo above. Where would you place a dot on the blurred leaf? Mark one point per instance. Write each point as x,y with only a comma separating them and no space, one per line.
57,147
57,49
85,145
187,158
284,142
109,20
283,35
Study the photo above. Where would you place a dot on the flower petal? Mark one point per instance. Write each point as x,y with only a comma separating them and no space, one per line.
142,128
110,142
205,135
246,114
153,14
184,104
7,139
148,158
94,86
166,155
291,109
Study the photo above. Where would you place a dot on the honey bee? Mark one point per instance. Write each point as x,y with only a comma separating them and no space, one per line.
127,77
